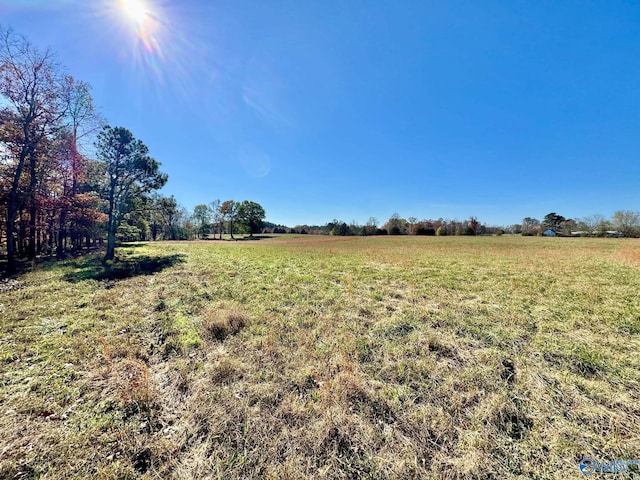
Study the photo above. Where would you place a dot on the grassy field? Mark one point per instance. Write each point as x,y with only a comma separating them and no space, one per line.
322,357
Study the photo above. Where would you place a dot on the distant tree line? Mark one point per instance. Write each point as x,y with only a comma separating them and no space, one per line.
623,223
161,218
226,217
395,225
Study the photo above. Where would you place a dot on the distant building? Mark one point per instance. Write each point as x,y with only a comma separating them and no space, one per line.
549,233
595,233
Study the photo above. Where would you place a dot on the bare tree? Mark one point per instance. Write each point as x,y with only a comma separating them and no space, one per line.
218,217
81,121
530,225
627,222
592,223
371,226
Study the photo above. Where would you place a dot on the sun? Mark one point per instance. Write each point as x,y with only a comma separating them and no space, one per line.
134,10
150,36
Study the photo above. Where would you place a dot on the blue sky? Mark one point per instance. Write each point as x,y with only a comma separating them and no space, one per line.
350,109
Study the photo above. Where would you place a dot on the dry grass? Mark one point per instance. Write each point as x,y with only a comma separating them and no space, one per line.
218,324
315,357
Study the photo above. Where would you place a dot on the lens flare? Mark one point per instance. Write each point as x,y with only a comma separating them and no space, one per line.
142,35
134,10
161,45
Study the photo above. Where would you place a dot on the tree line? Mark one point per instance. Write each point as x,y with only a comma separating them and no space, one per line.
159,217
226,217
395,225
623,223
53,197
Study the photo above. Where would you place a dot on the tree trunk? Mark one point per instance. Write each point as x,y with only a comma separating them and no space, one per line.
33,208
12,211
52,235
22,237
62,233
111,224
111,235
11,246
111,243
39,236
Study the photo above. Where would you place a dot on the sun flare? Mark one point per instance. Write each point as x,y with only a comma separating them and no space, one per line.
134,10
149,36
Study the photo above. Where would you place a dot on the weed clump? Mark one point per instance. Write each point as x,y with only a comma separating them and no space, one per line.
218,325
226,372
136,390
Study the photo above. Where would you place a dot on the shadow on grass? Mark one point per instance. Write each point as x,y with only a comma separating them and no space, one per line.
237,239
254,237
94,268
45,260
132,244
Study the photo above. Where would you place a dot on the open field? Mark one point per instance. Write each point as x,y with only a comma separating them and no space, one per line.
322,357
